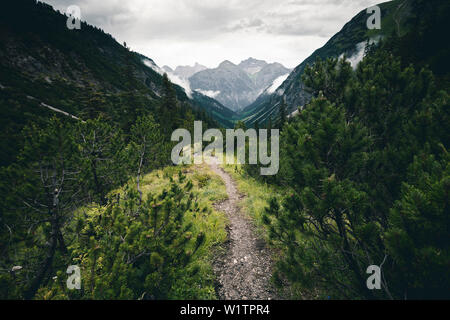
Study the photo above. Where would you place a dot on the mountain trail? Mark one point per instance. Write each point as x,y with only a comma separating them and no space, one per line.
244,271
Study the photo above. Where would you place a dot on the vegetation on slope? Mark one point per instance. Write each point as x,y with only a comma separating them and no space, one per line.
153,238
160,250
60,167
418,28
368,166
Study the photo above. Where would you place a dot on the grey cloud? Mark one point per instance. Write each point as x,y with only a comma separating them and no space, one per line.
160,28
246,24
300,18
110,13
205,20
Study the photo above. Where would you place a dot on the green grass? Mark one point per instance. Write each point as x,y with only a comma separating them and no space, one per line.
208,188
257,195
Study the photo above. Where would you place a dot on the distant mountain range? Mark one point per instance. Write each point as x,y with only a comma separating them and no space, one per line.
234,86
185,72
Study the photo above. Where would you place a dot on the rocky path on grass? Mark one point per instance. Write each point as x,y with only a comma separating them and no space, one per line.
245,269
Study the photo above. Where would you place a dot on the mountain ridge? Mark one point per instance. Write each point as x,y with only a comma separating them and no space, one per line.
237,85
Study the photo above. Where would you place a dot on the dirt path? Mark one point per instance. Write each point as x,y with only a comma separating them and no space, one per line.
244,271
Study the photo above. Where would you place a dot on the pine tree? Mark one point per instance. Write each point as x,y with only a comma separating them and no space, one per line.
353,200
50,192
148,148
95,104
101,154
169,110
418,235
135,250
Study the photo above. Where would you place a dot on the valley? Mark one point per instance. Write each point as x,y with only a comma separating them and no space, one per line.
359,134
234,86
255,90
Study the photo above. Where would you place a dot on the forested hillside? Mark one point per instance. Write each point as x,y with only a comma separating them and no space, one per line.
405,19
366,168
83,120
83,72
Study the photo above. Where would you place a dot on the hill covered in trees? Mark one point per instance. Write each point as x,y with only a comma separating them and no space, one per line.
365,166
409,20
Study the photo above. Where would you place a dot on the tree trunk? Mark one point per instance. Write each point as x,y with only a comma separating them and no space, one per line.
351,260
36,283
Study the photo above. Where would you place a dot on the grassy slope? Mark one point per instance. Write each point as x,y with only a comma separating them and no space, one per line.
209,188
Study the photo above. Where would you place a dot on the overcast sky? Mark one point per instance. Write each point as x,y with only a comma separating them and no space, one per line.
182,32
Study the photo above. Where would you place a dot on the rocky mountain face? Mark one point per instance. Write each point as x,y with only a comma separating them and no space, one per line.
252,66
237,86
350,41
187,71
